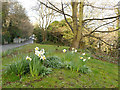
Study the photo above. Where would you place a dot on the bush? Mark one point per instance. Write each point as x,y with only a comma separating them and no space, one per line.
38,33
6,36
53,62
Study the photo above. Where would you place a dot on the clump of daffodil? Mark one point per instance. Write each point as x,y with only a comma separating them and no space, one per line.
64,50
40,53
84,59
74,50
28,58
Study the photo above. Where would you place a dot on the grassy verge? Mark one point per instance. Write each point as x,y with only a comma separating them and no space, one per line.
104,74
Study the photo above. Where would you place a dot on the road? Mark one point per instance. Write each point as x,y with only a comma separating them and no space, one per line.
12,46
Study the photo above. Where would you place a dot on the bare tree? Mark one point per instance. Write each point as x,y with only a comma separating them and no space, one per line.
79,21
45,17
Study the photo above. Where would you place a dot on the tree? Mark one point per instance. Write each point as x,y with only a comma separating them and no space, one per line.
79,21
45,17
15,22
20,20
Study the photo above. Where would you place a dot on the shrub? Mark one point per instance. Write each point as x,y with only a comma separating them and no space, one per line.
53,62
84,69
38,33
6,36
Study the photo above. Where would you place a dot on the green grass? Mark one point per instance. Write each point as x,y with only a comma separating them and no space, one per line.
104,74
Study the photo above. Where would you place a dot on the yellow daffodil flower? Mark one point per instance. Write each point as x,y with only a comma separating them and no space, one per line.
81,57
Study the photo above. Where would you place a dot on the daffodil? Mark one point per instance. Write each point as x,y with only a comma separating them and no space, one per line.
37,48
37,52
75,50
84,60
83,54
88,57
42,51
39,55
81,57
64,50
28,58
43,57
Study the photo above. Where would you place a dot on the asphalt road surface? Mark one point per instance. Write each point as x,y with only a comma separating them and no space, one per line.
12,46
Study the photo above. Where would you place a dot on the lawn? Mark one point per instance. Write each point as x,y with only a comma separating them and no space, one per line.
102,74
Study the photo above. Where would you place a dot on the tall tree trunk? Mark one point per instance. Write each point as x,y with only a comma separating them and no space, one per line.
75,25
118,25
77,28
44,35
80,23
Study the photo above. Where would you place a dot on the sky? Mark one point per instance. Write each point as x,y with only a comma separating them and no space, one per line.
28,4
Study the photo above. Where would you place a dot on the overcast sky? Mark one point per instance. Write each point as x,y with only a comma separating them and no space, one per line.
28,4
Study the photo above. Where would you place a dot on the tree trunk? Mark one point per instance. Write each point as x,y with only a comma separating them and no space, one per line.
44,35
77,40
118,25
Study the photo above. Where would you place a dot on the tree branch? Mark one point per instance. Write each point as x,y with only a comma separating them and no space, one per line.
101,18
100,27
99,7
59,11
66,18
108,31
101,40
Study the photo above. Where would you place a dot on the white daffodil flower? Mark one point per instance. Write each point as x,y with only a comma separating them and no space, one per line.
37,48
88,57
42,51
83,54
84,60
75,50
64,50
81,57
28,58
37,53
43,57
